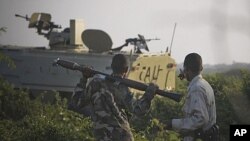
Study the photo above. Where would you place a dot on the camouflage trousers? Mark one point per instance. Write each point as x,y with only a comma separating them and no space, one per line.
113,134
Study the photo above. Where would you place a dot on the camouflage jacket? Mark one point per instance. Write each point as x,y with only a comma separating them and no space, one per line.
110,101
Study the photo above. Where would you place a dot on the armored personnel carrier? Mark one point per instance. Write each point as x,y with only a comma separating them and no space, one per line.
34,69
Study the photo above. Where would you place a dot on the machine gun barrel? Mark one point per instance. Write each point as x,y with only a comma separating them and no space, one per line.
139,40
130,83
147,40
24,17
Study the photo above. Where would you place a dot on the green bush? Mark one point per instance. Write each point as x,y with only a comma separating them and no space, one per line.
246,82
13,104
225,113
22,119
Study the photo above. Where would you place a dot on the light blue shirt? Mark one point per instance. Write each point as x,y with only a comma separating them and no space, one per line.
199,108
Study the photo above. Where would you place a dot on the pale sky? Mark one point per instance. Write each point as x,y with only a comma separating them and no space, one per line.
219,30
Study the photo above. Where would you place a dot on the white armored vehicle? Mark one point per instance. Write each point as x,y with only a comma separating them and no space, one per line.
35,72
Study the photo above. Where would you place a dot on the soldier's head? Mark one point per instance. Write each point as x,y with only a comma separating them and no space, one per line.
192,65
120,64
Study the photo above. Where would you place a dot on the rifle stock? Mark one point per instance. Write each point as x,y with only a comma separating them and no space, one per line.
130,83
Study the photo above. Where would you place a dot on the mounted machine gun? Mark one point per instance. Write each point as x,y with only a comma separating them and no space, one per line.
40,21
139,43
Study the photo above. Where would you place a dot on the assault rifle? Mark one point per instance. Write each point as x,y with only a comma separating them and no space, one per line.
130,83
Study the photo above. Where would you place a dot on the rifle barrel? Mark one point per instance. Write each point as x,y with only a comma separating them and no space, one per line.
25,17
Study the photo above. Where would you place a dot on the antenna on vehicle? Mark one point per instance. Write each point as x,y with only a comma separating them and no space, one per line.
172,39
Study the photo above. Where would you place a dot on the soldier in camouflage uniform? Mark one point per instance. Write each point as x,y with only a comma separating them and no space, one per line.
199,109
110,100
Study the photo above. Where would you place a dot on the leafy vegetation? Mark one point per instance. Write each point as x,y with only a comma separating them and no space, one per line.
246,82
25,119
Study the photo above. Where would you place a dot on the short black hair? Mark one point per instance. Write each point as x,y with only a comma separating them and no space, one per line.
119,63
193,61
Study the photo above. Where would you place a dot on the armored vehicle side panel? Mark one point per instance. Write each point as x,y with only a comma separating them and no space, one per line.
34,69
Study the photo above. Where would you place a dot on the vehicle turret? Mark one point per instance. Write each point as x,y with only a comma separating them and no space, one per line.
69,38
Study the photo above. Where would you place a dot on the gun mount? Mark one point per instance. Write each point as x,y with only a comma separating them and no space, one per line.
68,38
42,22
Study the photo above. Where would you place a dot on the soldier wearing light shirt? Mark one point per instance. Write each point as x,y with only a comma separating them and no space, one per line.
199,109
